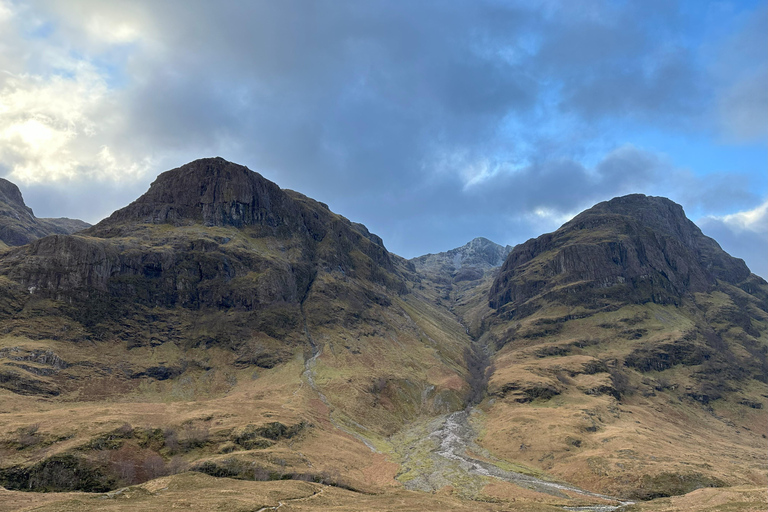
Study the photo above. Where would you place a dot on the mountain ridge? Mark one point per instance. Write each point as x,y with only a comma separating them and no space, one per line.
479,252
657,248
243,330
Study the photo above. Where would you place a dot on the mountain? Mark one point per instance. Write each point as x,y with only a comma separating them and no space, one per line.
224,325
214,256
458,279
648,339
219,288
19,226
464,263
641,246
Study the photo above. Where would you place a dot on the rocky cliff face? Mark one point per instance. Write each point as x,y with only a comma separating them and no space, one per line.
210,237
637,247
131,253
211,192
19,226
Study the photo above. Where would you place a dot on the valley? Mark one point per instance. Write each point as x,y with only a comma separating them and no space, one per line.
224,343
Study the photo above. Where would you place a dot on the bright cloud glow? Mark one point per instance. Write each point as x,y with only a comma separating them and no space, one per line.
755,220
111,32
44,121
62,127
550,217
5,12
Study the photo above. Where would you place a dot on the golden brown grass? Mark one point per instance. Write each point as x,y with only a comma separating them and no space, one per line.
732,499
194,491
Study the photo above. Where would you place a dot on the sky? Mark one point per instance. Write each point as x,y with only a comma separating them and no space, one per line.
431,122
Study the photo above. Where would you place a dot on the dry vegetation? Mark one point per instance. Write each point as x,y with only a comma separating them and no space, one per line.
261,370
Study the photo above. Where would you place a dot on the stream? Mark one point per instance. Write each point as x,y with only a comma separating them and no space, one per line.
435,454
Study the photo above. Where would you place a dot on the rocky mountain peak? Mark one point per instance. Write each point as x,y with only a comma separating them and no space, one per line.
478,252
657,213
19,226
642,248
211,191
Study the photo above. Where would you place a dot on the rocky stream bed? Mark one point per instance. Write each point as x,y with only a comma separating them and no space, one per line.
442,452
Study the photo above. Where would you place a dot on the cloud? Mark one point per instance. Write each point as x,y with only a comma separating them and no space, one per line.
755,220
430,122
341,86
59,124
743,234
742,107
740,72
621,61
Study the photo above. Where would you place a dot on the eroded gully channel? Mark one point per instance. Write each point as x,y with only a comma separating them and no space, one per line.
436,453
309,376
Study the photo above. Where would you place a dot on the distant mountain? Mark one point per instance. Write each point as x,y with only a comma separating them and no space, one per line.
466,263
479,252
19,226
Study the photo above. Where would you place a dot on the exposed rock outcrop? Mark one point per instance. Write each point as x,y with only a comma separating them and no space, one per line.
210,235
635,247
212,192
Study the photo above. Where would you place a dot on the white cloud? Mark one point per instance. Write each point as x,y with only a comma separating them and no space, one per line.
743,235
45,120
60,121
546,220
5,11
755,220
111,31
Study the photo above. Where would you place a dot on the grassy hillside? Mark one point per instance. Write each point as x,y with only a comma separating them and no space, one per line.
241,347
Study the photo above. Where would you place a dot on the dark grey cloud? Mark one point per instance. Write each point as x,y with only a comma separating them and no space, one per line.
512,205
432,122
740,71
622,60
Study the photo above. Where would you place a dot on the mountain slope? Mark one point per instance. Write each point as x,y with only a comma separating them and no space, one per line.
218,286
224,325
19,226
645,337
